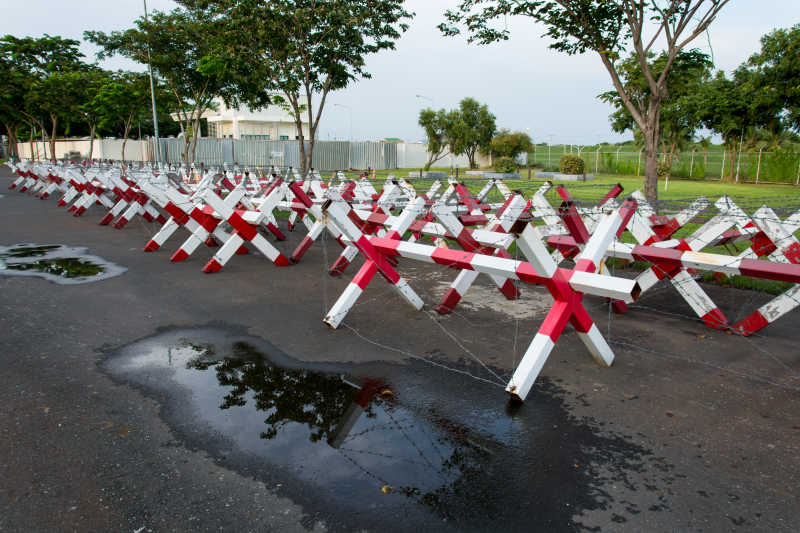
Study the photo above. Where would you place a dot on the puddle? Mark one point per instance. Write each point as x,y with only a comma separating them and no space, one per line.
387,446
56,262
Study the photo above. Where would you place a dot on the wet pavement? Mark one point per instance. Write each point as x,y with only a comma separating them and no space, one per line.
171,400
57,263
377,440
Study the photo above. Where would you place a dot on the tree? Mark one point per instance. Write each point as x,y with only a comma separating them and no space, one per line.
89,111
471,128
59,96
121,101
730,106
704,143
777,67
436,124
300,49
678,121
508,144
608,28
174,44
12,99
24,62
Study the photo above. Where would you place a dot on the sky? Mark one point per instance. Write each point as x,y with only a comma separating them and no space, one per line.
527,86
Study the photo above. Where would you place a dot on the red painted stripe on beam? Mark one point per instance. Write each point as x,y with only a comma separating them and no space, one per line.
339,266
715,319
212,266
510,290
792,253
556,319
177,214
750,324
179,256
151,246
454,258
365,275
585,265
572,220
449,302
769,270
302,248
275,230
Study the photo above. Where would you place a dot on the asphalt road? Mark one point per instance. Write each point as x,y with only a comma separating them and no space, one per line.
692,429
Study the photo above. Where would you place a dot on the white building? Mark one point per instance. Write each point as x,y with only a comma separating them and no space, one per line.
271,123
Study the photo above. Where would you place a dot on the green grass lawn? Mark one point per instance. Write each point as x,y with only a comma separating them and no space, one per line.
677,190
784,199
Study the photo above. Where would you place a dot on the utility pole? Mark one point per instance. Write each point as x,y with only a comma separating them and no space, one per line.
156,147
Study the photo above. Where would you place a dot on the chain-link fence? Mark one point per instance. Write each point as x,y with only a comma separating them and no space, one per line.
746,166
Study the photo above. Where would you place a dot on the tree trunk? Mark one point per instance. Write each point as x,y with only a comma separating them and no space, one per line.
13,149
310,155
302,148
195,134
471,158
45,141
651,166
733,151
185,155
54,120
34,155
91,141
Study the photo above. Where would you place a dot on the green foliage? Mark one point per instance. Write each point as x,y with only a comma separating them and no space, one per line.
301,49
780,166
608,28
25,64
175,44
505,164
470,128
777,67
663,169
678,120
509,144
436,124
571,164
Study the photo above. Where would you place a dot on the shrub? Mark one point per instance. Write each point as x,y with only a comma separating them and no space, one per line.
505,165
571,164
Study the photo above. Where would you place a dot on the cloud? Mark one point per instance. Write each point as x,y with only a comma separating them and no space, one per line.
525,84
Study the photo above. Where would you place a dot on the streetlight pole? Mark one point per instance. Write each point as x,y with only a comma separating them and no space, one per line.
350,109
425,98
156,146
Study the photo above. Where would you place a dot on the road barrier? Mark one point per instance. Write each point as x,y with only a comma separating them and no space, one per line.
563,248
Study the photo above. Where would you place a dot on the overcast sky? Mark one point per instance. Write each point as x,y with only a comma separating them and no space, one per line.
526,85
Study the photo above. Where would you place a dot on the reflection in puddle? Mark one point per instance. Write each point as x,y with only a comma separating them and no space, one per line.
55,262
362,452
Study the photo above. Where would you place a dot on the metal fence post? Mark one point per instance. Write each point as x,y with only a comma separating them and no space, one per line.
758,167
639,162
691,164
798,174
722,172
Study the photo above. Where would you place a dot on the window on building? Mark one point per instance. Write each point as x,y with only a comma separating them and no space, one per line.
284,137
258,137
